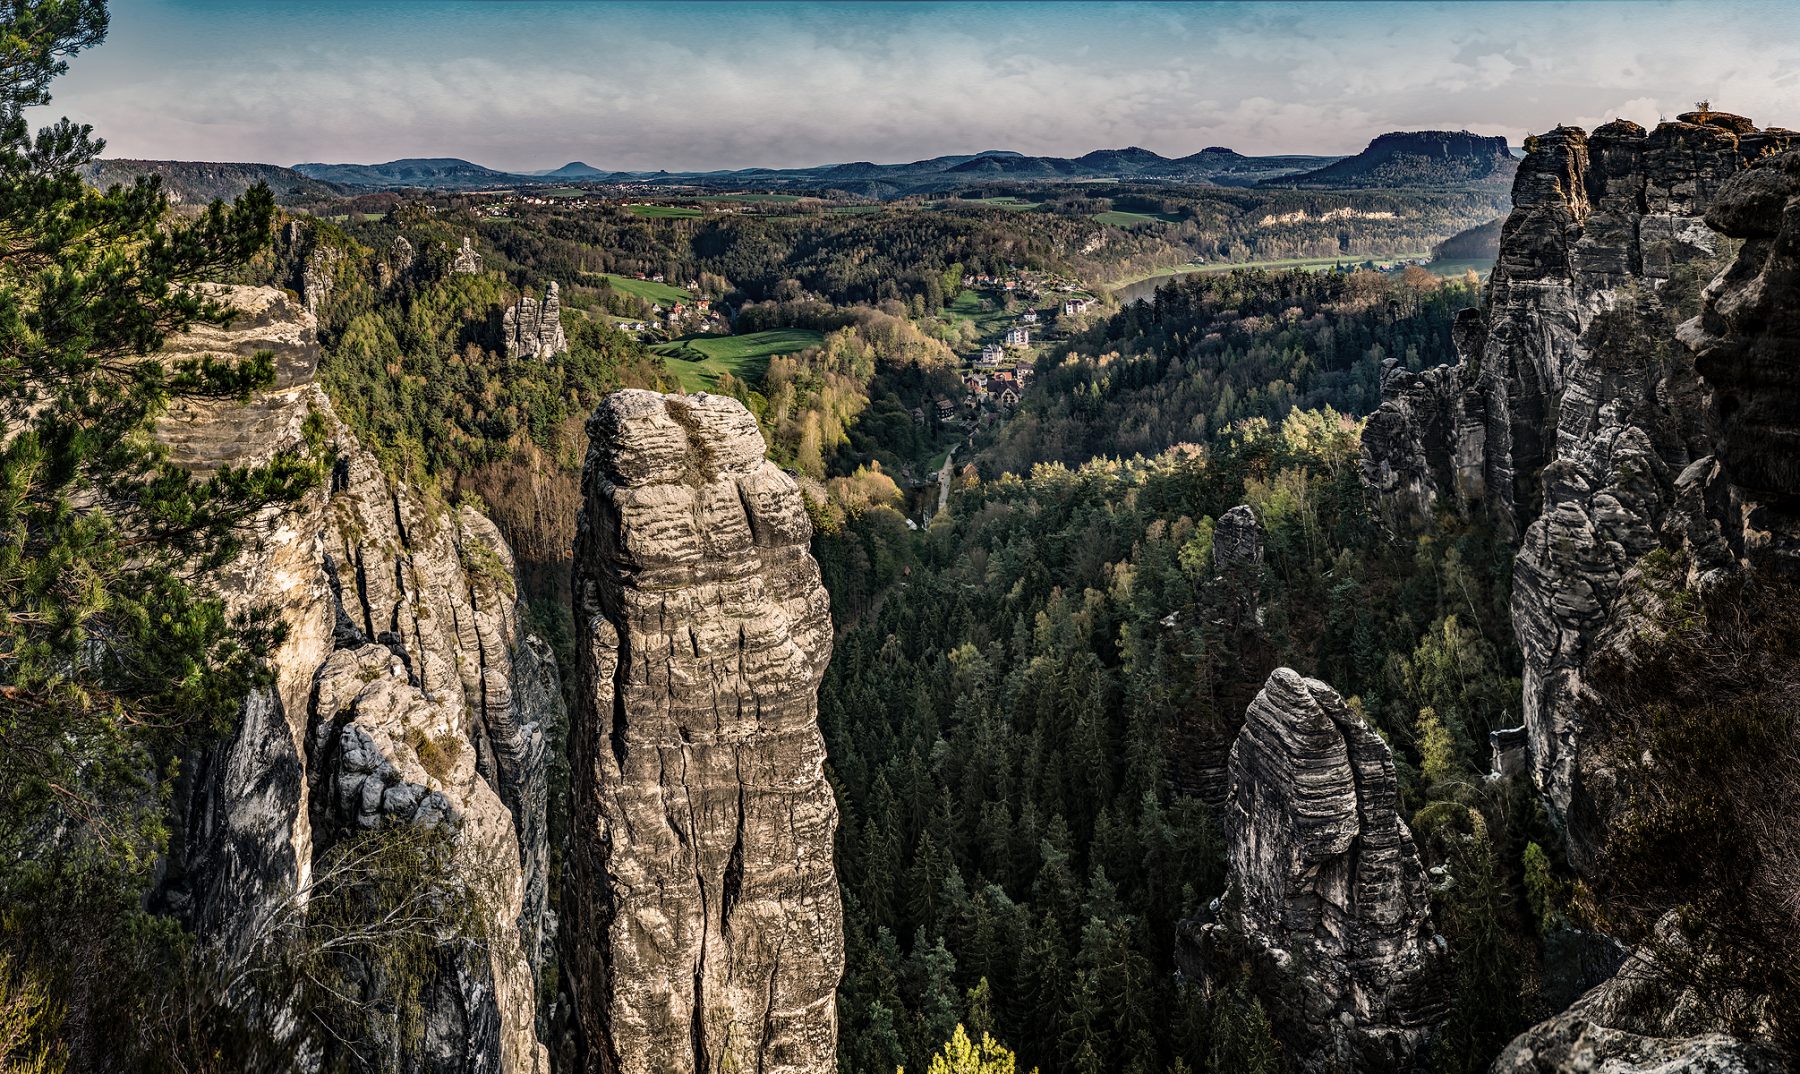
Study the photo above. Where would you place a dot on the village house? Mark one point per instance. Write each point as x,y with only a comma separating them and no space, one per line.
991,356
945,408
1029,316
1018,336
1074,307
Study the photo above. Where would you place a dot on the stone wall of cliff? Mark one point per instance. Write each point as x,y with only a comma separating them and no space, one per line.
1583,422
405,693
1574,409
701,910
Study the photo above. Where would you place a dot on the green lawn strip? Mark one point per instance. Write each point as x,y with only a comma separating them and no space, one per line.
648,290
744,357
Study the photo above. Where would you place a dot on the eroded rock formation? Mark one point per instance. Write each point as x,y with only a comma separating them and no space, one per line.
1638,1022
533,329
467,260
1573,410
1324,880
1580,422
701,909
1746,344
405,694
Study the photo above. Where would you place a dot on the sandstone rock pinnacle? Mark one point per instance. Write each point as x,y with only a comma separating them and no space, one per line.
703,925
1324,877
533,329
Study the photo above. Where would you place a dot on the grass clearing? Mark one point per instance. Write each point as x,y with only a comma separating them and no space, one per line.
648,290
698,361
665,212
969,305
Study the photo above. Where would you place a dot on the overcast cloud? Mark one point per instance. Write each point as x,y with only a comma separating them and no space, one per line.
525,84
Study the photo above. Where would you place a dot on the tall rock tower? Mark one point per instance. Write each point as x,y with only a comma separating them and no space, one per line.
704,931
1323,875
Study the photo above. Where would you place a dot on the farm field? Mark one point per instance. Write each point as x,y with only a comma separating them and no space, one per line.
698,361
648,290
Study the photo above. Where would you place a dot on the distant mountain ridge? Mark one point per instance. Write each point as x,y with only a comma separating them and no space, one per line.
414,171
1213,164
1400,159
1415,158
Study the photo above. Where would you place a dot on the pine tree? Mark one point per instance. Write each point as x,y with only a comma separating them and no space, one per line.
114,660
1242,1041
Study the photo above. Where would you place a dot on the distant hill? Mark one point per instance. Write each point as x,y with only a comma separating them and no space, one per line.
576,170
1479,243
1415,159
198,182
440,172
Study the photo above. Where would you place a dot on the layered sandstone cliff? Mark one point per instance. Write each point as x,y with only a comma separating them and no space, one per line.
1573,410
1582,421
701,910
405,693
1324,881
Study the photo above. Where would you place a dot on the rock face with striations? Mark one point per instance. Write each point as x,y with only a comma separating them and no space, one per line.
1593,431
534,329
701,910
1324,880
1574,409
405,693
1745,344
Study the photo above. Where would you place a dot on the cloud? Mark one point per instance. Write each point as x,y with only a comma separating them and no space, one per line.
533,84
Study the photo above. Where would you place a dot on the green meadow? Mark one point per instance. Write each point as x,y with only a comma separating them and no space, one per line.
698,361
648,290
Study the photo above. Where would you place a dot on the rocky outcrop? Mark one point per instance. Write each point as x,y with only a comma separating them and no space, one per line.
405,693
398,264
1745,341
533,329
1601,439
701,911
1573,411
467,260
1324,881
1414,158
1638,1022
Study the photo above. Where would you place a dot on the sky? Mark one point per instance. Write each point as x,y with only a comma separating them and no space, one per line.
646,84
